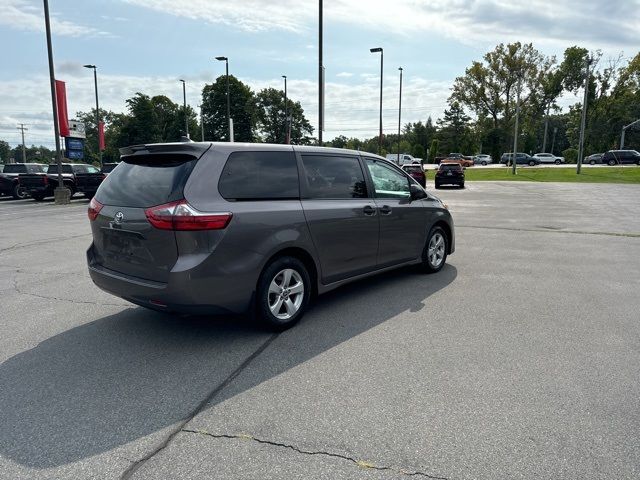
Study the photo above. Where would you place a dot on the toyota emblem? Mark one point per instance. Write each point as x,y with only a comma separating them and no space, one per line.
118,218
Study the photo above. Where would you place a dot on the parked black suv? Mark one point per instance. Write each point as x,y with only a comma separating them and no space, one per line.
619,157
224,227
449,174
9,183
42,185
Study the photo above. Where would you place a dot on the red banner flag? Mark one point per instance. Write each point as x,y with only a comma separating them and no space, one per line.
61,100
101,135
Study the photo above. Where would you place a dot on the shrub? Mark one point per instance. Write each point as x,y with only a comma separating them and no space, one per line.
570,155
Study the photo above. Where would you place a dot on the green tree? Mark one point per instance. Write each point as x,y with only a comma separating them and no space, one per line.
214,110
454,129
5,152
271,125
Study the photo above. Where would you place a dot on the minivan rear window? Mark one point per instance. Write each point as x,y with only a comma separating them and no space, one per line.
147,180
260,176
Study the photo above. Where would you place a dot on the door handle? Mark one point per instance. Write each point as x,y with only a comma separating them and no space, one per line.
369,211
385,210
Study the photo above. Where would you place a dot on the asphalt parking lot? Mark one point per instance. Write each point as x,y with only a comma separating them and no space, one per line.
520,359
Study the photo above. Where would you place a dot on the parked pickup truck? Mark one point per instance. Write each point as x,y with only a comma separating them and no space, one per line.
9,183
42,185
89,181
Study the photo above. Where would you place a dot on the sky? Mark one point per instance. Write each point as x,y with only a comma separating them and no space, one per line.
148,45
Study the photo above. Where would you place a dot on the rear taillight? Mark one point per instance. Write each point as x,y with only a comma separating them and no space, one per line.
182,216
94,209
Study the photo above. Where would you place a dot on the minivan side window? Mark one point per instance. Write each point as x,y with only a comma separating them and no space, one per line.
387,182
334,177
260,176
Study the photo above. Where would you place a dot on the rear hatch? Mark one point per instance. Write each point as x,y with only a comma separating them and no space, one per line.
123,238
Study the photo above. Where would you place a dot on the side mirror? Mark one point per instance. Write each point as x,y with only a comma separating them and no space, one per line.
417,192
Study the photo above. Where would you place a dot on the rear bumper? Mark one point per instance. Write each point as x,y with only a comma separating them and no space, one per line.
449,180
182,293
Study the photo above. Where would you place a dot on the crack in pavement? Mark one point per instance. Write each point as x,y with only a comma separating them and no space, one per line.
359,463
129,472
553,230
41,242
19,291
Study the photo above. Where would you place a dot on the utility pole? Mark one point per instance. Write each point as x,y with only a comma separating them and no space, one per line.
184,103
320,78
201,124
399,113
583,121
553,142
286,119
62,195
624,129
546,126
22,128
515,133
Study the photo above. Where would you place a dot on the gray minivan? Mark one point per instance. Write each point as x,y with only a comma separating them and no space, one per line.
211,228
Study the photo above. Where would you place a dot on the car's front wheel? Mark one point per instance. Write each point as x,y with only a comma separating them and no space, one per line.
435,250
19,192
557,162
592,162
532,163
284,290
611,162
484,164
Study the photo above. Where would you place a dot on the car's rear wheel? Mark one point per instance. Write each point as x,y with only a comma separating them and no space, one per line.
284,290
484,164
19,192
592,162
532,163
435,250
638,162
557,162
462,185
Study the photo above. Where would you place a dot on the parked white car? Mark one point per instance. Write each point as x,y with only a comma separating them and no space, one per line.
405,158
482,159
549,158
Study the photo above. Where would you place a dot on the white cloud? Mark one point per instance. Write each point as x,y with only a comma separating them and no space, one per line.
350,110
344,74
26,16
593,23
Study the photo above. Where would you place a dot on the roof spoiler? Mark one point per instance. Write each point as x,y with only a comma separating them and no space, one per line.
195,149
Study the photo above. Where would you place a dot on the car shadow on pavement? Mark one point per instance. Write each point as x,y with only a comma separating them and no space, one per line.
101,385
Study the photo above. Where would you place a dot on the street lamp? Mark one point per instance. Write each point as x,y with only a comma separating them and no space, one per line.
286,119
95,82
226,61
184,100
624,129
515,133
376,50
399,113
583,120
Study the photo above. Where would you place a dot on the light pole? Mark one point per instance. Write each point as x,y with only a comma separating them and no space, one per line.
62,195
95,83
226,61
184,102
399,113
624,129
553,142
515,133
286,119
546,127
320,77
583,121
376,50
22,128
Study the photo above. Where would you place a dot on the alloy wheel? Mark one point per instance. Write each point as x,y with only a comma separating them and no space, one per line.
286,293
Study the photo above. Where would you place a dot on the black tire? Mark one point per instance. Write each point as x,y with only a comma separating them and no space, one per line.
611,162
638,162
19,192
532,163
274,273
38,197
72,190
462,185
484,164
592,162
427,265
557,162
437,186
